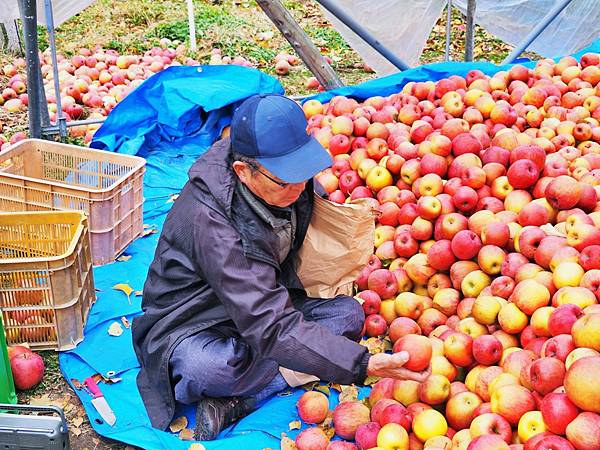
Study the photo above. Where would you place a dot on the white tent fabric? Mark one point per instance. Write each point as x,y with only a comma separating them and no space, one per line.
403,26
61,10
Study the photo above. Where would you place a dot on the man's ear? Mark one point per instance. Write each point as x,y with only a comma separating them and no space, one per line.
242,170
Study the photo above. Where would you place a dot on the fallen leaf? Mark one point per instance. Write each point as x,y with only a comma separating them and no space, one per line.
124,287
324,389
348,394
336,387
148,231
287,443
39,401
196,446
310,386
178,424
125,322
124,258
329,432
115,329
371,380
172,198
76,431
374,345
77,421
76,383
138,293
295,425
328,422
186,434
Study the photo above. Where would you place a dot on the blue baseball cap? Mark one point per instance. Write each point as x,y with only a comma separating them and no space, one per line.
272,129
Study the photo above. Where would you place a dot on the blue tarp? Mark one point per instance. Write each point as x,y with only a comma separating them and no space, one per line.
170,120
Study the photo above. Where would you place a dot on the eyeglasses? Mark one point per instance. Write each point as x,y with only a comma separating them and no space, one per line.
281,184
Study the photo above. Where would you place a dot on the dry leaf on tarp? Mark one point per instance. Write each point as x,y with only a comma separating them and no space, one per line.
186,434
295,425
348,394
196,446
287,443
371,380
124,258
327,425
374,345
124,287
178,424
324,389
115,329
125,322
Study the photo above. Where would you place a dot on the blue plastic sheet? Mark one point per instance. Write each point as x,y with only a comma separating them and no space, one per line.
170,120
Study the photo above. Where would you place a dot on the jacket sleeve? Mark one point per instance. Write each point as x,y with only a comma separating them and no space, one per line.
263,312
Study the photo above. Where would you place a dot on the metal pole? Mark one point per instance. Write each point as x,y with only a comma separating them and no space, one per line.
364,34
298,39
53,129
61,120
28,12
470,34
537,30
191,25
448,30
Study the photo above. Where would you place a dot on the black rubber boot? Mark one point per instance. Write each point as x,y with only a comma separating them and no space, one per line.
215,414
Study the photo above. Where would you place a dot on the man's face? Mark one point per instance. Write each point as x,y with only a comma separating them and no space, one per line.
267,186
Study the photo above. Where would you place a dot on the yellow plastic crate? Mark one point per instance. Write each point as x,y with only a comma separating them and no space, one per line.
38,175
46,280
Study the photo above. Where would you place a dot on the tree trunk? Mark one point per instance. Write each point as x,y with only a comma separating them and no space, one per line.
9,38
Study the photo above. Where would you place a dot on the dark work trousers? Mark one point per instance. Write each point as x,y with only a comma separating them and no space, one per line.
217,362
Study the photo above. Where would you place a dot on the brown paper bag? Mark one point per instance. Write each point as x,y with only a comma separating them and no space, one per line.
338,244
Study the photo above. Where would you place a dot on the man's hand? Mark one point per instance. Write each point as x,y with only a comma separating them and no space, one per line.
390,366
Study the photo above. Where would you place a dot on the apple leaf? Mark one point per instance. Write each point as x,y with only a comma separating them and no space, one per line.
324,389
310,386
374,345
295,425
115,329
196,446
371,380
327,425
287,443
186,434
124,287
348,394
77,421
178,424
149,229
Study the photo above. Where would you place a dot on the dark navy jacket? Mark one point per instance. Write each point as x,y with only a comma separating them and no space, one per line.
216,261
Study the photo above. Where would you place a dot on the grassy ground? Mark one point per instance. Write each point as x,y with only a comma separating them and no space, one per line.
237,27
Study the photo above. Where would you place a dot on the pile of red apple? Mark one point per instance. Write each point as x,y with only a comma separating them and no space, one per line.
94,80
487,257
27,367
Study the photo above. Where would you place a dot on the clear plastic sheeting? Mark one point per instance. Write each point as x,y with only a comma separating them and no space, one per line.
577,26
401,26
404,26
61,10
